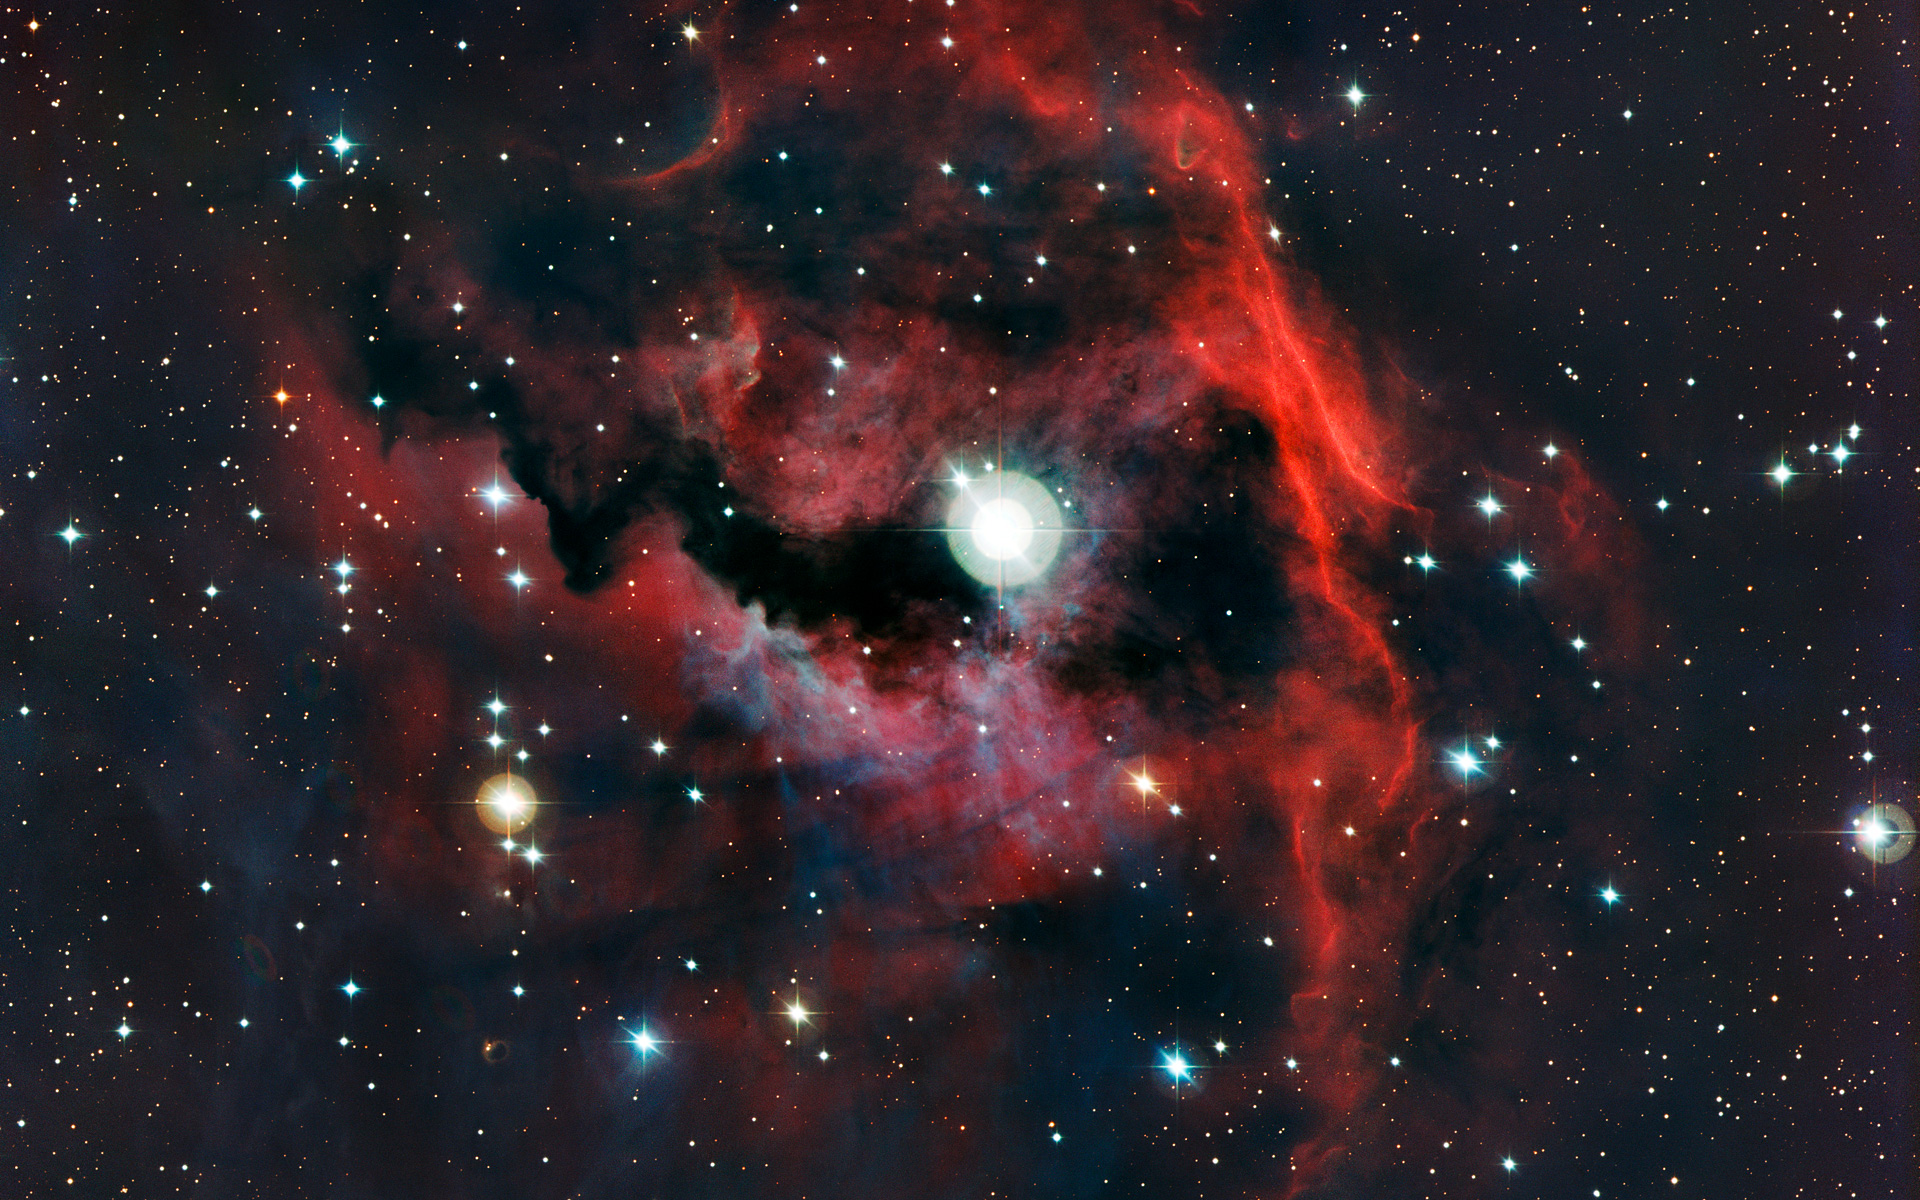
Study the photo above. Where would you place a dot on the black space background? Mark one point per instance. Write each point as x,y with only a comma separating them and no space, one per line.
1653,294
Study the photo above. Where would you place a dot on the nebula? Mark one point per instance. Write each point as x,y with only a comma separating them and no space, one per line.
853,872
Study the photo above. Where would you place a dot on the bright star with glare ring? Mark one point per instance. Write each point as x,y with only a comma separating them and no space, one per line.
1004,530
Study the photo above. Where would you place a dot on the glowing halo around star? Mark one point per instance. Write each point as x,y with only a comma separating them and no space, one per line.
1004,529
506,803
1885,832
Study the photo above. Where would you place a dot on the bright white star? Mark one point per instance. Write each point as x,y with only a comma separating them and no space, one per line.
1519,569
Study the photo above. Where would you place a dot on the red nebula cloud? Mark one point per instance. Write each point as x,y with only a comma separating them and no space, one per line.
865,725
